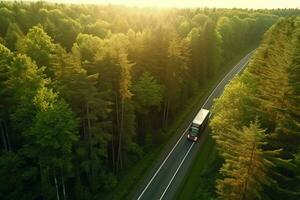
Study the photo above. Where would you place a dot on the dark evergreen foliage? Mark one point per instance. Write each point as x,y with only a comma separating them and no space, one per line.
86,90
266,94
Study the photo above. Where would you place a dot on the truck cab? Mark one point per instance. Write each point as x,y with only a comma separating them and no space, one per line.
198,125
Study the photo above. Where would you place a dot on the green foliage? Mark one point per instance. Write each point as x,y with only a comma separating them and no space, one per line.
52,146
244,170
148,93
13,36
267,91
67,32
5,58
88,89
24,81
15,177
38,45
99,28
184,28
5,16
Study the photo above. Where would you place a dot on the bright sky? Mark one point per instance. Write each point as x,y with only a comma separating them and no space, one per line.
195,3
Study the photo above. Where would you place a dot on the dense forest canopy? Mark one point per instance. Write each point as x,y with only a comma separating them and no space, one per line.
86,90
257,121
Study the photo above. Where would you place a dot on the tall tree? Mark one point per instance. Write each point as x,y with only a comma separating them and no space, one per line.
5,94
267,91
148,95
175,74
245,167
13,36
38,45
51,148
125,96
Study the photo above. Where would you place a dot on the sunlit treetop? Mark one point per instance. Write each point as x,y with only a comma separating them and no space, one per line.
194,3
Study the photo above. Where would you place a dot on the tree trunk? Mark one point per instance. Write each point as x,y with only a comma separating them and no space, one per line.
248,172
42,183
120,135
141,128
117,113
117,129
56,186
113,151
3,136
167,111
7,137
89,128
83,122
78,173
92,174
63,186
164,114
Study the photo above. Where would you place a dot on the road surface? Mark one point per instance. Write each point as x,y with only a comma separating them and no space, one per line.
165,179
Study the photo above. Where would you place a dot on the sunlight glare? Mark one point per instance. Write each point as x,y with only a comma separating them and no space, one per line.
195,3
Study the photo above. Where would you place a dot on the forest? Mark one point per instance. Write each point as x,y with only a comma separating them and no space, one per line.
86,91
257,121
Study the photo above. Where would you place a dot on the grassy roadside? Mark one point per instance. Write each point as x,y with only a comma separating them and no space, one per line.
134,177
194,186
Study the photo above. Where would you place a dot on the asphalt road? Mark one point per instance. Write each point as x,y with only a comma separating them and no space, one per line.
165,178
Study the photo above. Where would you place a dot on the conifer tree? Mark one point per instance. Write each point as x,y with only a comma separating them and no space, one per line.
245,168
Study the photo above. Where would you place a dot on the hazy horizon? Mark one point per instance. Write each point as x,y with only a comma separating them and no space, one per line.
256,4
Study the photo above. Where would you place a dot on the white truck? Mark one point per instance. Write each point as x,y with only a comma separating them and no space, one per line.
198,125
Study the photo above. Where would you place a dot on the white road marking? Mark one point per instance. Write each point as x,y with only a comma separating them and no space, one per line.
243,67
162,163
230,72
187,153
157,171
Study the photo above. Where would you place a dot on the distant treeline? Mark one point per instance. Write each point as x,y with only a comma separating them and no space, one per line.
86,91
257,121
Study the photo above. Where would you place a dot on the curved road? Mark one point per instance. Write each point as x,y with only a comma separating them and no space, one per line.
164,180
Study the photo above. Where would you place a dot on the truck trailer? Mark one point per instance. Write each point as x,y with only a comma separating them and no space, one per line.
198,125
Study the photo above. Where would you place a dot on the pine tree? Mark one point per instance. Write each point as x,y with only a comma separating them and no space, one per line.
267,91
51,148
5,94
147,96
13,36
125,96
245,168
175,74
